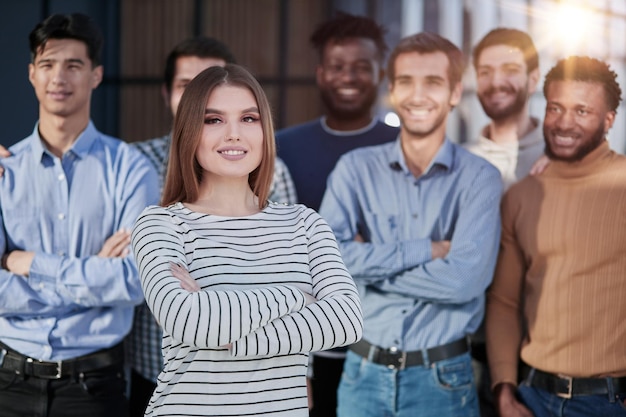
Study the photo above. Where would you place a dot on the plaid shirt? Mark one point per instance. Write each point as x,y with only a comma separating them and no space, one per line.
143,344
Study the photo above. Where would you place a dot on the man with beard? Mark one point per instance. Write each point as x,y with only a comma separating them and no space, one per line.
507,72
418,226
557,298
351,54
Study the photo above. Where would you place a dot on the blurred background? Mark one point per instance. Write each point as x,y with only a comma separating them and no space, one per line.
270,37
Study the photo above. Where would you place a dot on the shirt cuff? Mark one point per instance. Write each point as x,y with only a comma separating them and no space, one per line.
503,372
416,252
44,269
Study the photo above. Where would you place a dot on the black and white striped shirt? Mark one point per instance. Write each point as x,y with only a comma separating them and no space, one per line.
253,271
143,344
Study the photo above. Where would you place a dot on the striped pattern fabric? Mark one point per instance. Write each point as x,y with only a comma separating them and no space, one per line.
239,346
143,344
562,267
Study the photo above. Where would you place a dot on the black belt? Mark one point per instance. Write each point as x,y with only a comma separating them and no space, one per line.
20,364
397,359
567,387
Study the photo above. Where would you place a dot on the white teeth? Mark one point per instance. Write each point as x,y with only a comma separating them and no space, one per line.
564,140
348,91
418,113
233,152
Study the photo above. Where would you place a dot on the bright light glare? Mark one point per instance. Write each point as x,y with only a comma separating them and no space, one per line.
392,119
571,25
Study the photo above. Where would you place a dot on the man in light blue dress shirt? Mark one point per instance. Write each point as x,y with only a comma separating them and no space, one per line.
68,197
418,225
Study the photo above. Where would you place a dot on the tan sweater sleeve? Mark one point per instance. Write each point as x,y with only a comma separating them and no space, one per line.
503,321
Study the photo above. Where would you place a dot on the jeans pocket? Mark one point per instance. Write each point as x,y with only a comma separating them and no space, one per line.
352,368
455,373
109,382
7,379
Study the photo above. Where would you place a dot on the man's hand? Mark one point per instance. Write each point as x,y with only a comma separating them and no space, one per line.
185,278
440,249
309,393
117,245
18,262
540,165
506,403
4,152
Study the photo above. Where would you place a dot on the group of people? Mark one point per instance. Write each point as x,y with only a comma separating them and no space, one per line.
430,278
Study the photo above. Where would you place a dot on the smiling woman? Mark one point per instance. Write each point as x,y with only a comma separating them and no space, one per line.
243,288
231,146
226,110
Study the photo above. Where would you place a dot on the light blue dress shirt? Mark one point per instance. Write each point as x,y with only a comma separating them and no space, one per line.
410,300
63,209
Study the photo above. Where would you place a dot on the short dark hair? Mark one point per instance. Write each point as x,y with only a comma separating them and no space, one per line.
347,26
71,26
424,43
586,69
510,37
199,46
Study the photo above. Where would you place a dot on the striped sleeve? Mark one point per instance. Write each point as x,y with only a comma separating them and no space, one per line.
207,318
334,320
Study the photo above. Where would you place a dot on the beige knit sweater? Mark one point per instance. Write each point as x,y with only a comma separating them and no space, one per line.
559,291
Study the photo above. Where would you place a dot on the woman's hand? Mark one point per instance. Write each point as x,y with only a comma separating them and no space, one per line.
186,281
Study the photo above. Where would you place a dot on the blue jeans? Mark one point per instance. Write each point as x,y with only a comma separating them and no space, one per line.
544,404
445,388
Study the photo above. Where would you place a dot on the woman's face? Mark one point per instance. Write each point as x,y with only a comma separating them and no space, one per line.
232,137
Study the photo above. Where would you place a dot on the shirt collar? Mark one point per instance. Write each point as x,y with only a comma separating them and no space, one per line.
444,158
367,128
590,164
534,136
80,148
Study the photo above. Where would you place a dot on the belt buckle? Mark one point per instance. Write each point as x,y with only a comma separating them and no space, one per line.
570,387
401,359
59,369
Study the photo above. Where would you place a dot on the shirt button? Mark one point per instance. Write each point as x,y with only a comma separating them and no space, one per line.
41,285
61,253
415,216
61,216
61,177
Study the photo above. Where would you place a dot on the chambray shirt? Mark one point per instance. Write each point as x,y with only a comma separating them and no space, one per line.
63,209
410,300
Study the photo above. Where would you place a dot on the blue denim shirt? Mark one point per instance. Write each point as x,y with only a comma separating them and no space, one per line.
410,300
63,209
